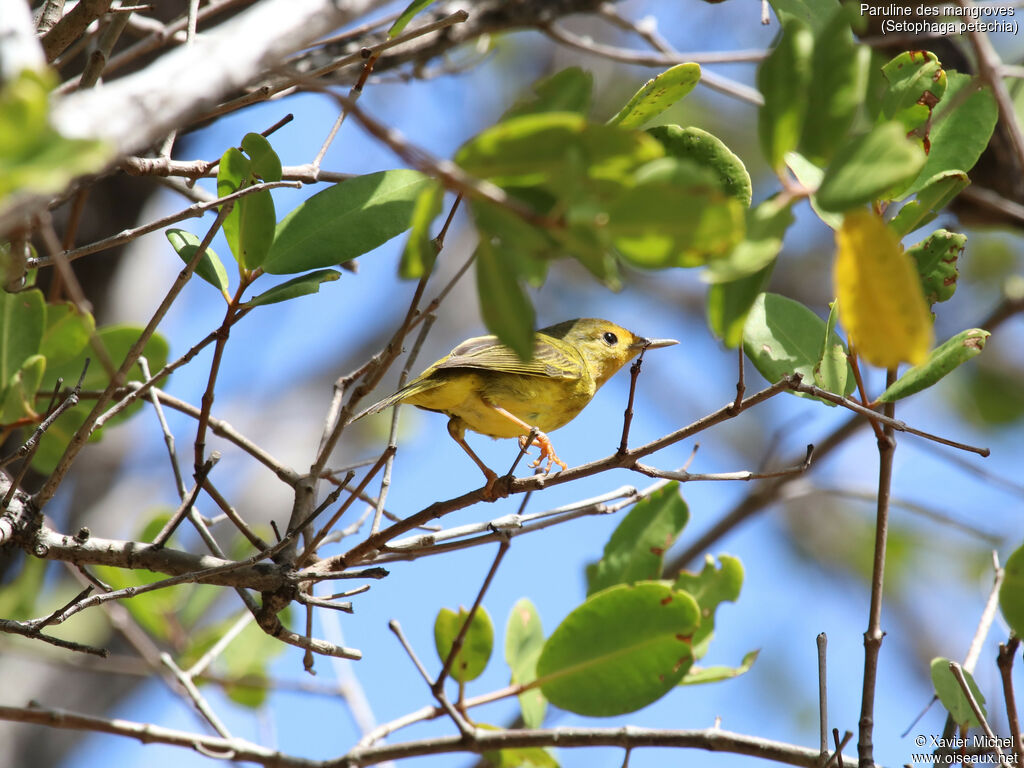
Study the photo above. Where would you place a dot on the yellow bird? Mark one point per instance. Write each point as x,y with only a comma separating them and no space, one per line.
484,386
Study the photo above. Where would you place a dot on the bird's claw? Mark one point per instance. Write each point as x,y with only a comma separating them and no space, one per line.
547,452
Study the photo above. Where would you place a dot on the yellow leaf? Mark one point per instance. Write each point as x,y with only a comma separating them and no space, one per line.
881,303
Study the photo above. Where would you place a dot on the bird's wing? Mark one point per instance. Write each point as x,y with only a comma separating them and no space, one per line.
552,358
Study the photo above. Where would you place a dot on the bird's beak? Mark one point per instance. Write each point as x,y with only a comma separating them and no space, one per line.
642,343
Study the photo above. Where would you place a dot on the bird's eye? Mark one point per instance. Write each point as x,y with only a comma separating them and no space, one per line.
611,339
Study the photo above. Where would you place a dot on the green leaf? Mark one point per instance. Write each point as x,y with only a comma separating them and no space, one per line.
1011,593
233,173
22,591
117,339
344,221
961,129
303,285
22,320
952,695
210,268
256,227
699,675
67,332
566,91
766,226
708,151
990,394
867,167
526,248
421,250
941,361
155,610
833,369
935,195
783,79
265,162
839,79
248,662
410,12
19,395
636,550
916,83
524,639
520,757
504,305
36,159
936,258
55,440
674,218
622,649
560,151
814,13
730,303
710,588
657,95
782,336
477,645
809,175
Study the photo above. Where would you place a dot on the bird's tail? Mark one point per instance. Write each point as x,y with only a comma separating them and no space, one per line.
410,389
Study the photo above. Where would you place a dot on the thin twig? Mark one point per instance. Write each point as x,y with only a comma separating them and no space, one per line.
684,477
128,235
873,635
822,644
438,685
961,680
1007,651
988,615
899,426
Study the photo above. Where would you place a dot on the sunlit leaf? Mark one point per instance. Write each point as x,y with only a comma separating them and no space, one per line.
881,303
303,285
916,83
936,258
524,639
942,361
22,322
67,332
420,249
18,398
700,675
566,91
866,168
839,78
410,12
952,695
265,162
782,337
710,588
935,195
1011,593
636,550
209,268
708,151
657,95
833,369
963,124
477,644
783,78
345,220
622,649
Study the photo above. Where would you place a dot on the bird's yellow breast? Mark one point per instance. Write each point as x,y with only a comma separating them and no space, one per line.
542,402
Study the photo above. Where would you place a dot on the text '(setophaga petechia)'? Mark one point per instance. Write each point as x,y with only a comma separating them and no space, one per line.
484,386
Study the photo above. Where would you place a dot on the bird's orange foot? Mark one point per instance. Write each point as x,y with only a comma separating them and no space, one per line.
547,452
